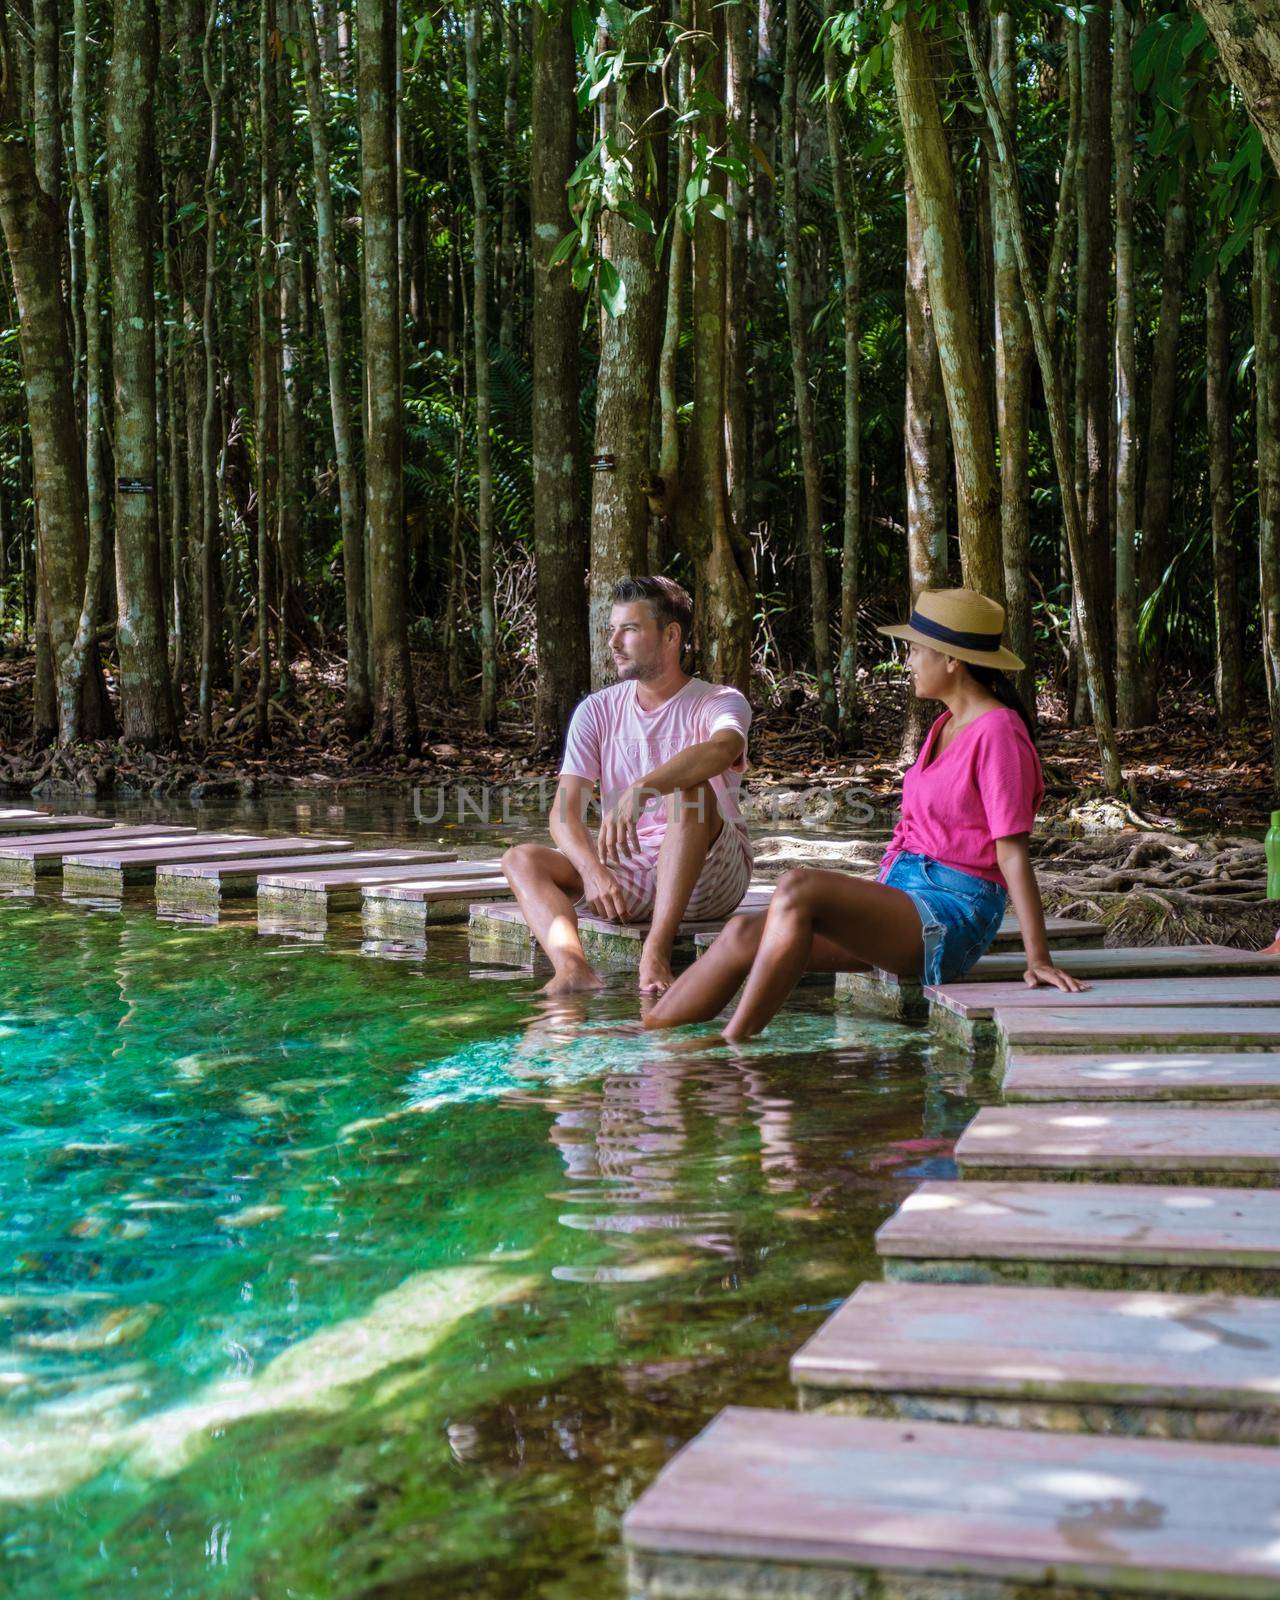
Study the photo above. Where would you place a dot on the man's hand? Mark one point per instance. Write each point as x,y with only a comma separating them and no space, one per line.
603,893
619,824
1043,974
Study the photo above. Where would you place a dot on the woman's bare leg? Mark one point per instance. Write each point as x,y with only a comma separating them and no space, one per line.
877,925
705,988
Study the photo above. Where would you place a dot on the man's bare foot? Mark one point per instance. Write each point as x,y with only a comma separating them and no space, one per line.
573,980
656,976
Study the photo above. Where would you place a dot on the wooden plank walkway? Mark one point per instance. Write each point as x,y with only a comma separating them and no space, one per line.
905,998
24,860
771,1504
1253,1077
498,934
1123,1143
1073,1360
1068,1027
108,873
978,1002
201,886
406,910
1087,1235
32,822
311,894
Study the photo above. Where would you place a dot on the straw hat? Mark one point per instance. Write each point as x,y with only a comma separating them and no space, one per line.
960,623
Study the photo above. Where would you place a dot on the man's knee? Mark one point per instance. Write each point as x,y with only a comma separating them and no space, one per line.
519,861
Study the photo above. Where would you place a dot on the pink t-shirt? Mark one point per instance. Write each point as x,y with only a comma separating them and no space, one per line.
986,785
614,741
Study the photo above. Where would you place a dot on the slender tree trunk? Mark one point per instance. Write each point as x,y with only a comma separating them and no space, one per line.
1067,186
763,253
977,491
480,340
1126,460
737,264
1228,672
77,663
723,610
1266,339
145,699
844,186
628,350
359,707
209,498
669,355
1092,322
395,709
1014,356
1005,172
1153,549
560,533
507,287
267,416
814,543
924,447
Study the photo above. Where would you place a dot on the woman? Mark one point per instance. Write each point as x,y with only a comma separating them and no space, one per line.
959,851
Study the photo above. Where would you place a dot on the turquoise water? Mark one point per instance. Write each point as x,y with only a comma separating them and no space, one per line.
328,1275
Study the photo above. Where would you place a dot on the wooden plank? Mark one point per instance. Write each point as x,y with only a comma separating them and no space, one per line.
978,1002
1089,1235
10,814
1119,1075
22,862
108,872
498,934
1091,1028
1080,1360
32,822
203,885
1136,961
769,1503
419,873
406,910
1170,1144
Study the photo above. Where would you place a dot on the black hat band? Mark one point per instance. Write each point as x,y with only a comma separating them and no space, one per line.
945,635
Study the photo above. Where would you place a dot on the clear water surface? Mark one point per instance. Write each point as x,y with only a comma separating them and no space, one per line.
325,1274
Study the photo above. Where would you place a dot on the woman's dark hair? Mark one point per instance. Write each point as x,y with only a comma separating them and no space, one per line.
1000,685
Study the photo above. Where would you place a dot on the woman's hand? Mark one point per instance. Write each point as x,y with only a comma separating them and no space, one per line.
1043,974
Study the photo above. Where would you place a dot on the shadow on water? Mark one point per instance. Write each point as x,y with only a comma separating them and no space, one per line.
331,1276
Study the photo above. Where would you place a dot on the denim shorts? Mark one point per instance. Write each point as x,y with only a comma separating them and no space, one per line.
959,914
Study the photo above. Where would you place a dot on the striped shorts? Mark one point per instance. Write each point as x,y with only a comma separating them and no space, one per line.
724,879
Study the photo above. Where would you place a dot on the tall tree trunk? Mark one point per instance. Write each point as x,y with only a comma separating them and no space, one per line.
209,499
1067,186
628,346
267,417
1014,356
1153,550
723,611
924,429
480,340
977,492
1228,673
82,650
814,544
395,709
673,323
145,699
1126,460
737,264
763,251
1247,34
358,710
560,533
844,186
1092,322
508,295
1266,341
1005,172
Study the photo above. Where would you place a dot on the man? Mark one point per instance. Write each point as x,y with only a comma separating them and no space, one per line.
668,752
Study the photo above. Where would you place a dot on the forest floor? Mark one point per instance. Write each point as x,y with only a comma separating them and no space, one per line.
1185,864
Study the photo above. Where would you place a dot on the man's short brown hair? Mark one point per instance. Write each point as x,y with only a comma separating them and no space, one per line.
668,601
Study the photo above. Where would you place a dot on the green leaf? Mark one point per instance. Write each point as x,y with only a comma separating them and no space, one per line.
563,250
636,215
613,292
